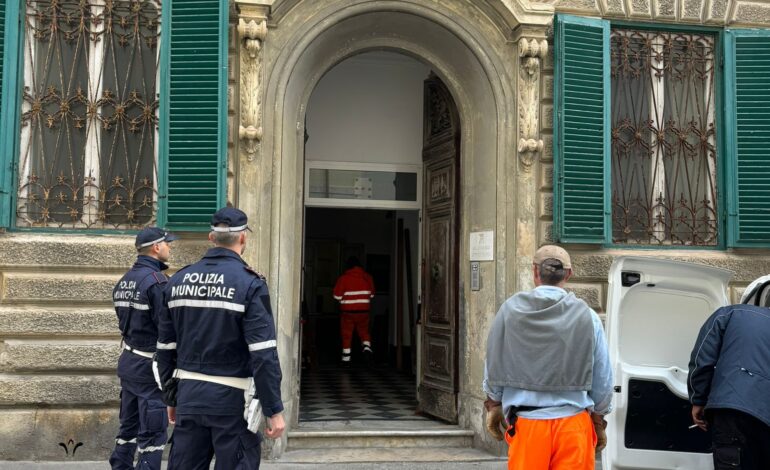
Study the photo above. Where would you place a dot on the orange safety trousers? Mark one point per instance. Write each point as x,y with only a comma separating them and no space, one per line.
350,321
553,444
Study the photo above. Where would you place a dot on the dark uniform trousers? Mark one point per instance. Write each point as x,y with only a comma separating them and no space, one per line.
198,437
143,424
741,441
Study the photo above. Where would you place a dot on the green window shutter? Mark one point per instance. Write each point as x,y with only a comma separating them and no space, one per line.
581,130
193,112
8,10
747,75
2,49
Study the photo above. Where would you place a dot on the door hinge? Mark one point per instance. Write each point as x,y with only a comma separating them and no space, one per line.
617,389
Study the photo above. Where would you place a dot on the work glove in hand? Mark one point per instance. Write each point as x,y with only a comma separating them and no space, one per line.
495,419
600,424
169,392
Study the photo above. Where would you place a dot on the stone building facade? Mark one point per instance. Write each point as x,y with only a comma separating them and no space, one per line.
58,338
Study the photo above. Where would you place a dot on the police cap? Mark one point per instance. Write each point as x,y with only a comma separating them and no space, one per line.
229,219
152,235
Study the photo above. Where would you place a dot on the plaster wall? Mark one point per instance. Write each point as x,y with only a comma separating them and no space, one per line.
368,109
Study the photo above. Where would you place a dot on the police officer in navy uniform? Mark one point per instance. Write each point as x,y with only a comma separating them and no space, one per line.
138,299
217,355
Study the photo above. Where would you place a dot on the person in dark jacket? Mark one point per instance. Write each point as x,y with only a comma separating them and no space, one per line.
138,299
729,384
217,356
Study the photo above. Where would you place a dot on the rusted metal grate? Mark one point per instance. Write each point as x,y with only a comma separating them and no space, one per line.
664,150
89,114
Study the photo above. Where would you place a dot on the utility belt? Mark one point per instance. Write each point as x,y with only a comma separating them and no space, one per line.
252,412
512,416
146,354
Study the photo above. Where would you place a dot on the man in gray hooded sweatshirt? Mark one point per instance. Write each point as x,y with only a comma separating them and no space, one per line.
548,372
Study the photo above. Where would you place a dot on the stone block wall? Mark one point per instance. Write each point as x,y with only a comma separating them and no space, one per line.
59,342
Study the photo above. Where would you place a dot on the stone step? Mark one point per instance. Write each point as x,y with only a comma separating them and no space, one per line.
90,251
20,321
59,356
374,455
62,289
70,390
274,465
449,436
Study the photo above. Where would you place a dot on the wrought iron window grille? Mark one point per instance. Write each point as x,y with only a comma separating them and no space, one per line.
88,153
664,151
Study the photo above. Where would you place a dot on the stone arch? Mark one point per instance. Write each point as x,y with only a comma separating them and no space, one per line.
465,48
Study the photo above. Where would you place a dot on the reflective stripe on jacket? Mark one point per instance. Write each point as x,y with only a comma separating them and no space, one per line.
218,321
354,290
138,299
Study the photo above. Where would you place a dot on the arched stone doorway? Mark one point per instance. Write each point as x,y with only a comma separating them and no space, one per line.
472,55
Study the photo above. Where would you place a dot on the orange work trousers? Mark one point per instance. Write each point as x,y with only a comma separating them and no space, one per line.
553,444
357,321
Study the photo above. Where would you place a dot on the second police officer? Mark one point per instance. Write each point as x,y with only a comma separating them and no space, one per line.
138,300
217,355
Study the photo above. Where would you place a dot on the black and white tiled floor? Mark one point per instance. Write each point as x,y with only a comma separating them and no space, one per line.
337,394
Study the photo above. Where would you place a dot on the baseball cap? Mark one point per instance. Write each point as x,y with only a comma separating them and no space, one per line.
234,219
152,235
552,252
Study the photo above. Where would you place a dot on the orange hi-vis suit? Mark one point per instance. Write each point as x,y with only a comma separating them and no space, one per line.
354,290
556,444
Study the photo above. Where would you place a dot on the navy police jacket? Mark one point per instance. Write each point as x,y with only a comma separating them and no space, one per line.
217,321
138,299
730,363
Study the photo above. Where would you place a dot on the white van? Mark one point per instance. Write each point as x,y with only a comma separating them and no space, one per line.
655,309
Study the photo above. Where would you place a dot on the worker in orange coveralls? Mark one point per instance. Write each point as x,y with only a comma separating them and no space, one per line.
354,291
548,378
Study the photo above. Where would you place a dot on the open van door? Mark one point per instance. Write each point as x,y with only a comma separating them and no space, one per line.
655,309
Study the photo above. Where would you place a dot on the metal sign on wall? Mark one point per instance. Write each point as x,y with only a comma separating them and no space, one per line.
482,246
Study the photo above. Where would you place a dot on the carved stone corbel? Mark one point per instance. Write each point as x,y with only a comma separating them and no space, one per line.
531,54
252,32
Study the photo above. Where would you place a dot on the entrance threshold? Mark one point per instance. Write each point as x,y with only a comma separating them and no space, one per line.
381,441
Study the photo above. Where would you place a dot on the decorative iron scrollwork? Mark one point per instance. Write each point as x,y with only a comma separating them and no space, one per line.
664,153
89,114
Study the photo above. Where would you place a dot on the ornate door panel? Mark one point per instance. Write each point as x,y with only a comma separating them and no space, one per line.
438,377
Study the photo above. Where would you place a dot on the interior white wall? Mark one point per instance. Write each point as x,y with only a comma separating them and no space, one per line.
368,109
